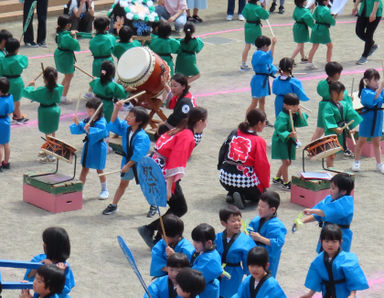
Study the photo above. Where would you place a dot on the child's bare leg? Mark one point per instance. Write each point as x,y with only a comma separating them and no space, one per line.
193,78
359,146
16,112
318,133
329,51
66,83
7,152
284,169
377,149
120,191
302,51
1,153
312,52
244,55
253,105
262,103
299,48
329,161
83,174
103,178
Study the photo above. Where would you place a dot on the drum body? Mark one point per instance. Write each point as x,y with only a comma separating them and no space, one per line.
356,102
58,148
141,68
323,147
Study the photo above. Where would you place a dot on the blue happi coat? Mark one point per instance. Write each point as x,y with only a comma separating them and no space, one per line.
269,289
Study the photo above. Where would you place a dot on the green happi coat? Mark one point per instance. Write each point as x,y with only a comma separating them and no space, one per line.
332,118
164,47
303,19
323,91
324,19
48,112
64,55
186,57
2,54
101,46
284,147
122,47
107,93
12,66
370,4
253,13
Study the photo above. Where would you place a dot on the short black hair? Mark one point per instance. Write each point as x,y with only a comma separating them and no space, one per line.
141,116
164,30
203,233
4,85
12,45
173,225
101,24
300,3
336,87
225,213
261,41
332,68
178,260
5,35
258,256
291,99
125,33
191,281
54,278
331,232
57,245
272,198
343,181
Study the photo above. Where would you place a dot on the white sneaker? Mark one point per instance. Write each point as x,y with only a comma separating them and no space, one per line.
241,17
298,144
104,194
65,101
88,95
380,168
356,166
229,17
311,66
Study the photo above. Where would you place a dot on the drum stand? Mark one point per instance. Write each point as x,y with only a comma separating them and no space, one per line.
322,164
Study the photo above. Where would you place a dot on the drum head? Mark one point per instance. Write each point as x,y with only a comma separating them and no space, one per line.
134,64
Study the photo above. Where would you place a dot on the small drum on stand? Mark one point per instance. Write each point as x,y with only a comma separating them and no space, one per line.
142,69
53,191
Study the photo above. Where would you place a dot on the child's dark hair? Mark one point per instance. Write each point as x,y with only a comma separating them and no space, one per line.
173,225
291,99
141,116
225,213
369,74
343,181
94,103
254,116
183,81
50,75
62,22
252,1
54,278
107,72
4,85
272,198
164,30
286,64
101,24
258,256
336,87
189,29
195,115
12,45
155,27
178,260
261,41
300,3
56,244
331,232
332,68
321,2
5,35
191,281
203,233
125,34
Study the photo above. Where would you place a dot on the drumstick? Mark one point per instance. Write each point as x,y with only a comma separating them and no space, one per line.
77,106
291,119
382,66
353,83
270,28
162,228
83,71
37,77
96,112
353,138
133,96
111,172
305,108
347,124
299,73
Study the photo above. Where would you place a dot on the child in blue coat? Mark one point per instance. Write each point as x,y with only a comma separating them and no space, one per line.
267,230
136,145
233,246
336,208
260,283
6,108
206,259
262,66
94,153
334,272
372,98
174,228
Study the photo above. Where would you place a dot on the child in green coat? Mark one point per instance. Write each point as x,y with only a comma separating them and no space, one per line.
64,54
284,137
320,32
126,42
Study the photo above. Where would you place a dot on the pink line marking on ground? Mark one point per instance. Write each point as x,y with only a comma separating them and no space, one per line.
34,123
51,55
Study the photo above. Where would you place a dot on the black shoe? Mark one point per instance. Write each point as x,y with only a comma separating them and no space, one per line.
5,166
147,235
286,186
111,209
152,211
42,44
269,124
238,200
31,44
1,169
273,7
277,180
281,10
229,199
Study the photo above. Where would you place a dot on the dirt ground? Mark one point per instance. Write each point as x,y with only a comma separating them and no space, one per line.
99,267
